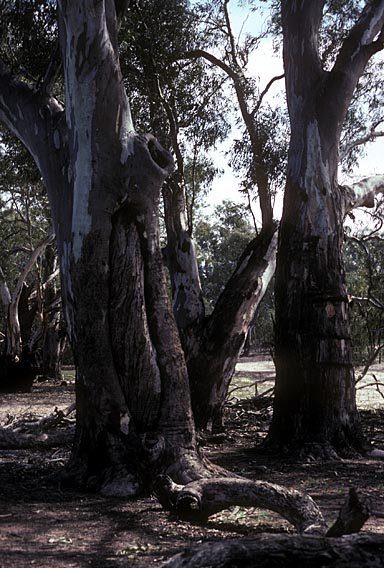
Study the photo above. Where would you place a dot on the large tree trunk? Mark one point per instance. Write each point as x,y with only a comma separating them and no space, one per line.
315,387
133,410
315,392
134,415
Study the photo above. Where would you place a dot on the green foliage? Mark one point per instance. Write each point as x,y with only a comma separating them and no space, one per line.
181,102
273,131
220,241
166,93
365,113
28,36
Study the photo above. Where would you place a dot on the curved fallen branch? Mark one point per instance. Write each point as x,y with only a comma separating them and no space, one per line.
280,551
205,497
200,499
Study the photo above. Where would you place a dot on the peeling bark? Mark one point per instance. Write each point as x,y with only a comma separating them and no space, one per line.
133,411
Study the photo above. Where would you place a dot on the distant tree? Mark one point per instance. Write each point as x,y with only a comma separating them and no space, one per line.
221,239
28,313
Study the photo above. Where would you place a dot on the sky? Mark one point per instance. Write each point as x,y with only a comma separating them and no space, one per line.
265,64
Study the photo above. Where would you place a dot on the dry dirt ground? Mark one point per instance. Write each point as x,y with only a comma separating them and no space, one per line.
44,525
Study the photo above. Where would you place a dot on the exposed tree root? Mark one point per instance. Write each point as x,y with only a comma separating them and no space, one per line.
200,499
313,451
192,467
281,551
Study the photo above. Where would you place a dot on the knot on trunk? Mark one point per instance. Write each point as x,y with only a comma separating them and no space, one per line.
153,445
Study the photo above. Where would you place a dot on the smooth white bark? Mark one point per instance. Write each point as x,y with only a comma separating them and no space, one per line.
362,193
5,295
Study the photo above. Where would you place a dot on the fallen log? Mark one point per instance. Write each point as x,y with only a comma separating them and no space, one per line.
31,431
10,440
283,551
200,499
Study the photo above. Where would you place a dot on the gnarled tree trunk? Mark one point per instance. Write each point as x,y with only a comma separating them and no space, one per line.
133,408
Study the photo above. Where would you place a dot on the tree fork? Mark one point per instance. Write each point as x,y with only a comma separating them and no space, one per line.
212,364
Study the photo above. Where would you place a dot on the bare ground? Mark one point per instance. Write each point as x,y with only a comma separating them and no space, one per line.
43,525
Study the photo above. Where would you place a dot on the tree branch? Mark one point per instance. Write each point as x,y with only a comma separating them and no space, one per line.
362,193
368,137
264,92
196,53
24,111
357,48
200,499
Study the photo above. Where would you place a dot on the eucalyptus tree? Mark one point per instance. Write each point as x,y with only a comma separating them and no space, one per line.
134,416
104,182
315,388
